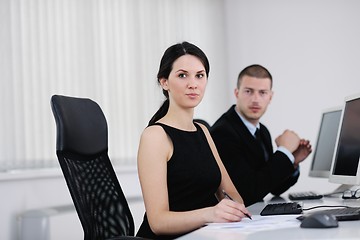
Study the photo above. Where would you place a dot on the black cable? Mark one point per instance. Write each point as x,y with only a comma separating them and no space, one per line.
323,206
333,193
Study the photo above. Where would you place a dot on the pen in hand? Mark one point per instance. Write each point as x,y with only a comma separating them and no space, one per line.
228,196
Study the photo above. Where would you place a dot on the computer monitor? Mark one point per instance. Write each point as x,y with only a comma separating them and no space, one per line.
325,144
345,168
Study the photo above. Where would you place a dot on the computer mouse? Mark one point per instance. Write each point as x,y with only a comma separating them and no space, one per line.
319,220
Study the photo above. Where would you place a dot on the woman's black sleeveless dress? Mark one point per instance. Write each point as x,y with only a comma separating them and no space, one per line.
193,175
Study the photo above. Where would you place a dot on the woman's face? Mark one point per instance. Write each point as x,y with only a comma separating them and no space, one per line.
187,82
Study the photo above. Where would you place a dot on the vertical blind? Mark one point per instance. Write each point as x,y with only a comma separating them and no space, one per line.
106,50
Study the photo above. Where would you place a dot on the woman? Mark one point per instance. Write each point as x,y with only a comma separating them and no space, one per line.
181,174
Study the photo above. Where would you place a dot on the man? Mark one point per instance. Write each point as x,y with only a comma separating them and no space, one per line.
253,166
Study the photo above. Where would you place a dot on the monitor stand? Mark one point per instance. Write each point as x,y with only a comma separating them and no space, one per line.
339,190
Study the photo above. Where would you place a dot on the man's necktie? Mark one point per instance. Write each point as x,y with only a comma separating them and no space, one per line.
258,138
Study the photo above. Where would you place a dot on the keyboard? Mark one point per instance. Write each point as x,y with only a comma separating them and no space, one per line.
304,196
344,214
281,209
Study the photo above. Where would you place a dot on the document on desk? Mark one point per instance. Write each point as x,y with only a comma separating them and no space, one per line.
258,223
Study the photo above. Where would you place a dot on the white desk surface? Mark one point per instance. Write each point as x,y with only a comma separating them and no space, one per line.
347,229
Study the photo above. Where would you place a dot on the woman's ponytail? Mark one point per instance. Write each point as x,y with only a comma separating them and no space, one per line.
160,113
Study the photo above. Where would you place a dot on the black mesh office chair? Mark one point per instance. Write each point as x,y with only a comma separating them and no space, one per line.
82,151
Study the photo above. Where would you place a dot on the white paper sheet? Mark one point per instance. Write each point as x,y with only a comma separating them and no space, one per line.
258,223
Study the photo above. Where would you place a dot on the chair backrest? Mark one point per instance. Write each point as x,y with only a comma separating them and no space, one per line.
199,120
82,151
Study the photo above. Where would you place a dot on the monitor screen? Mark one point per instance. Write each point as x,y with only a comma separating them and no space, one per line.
345,167
325,143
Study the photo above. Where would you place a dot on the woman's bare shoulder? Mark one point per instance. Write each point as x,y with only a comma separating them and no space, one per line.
153,134
154,144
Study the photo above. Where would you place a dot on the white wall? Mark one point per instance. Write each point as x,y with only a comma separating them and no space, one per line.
312,50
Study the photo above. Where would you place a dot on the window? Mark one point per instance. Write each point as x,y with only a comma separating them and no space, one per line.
106,50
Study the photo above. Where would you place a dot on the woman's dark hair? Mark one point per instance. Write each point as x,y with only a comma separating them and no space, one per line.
170,56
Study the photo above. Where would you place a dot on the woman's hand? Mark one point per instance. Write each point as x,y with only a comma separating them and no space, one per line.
228,211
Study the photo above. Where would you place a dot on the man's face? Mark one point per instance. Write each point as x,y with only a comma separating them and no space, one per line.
253,97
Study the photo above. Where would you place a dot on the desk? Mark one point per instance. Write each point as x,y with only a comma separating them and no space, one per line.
346,230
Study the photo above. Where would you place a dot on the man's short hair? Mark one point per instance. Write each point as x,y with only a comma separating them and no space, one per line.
256,71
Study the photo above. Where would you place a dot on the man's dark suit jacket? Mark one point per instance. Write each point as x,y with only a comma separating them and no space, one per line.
244,159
